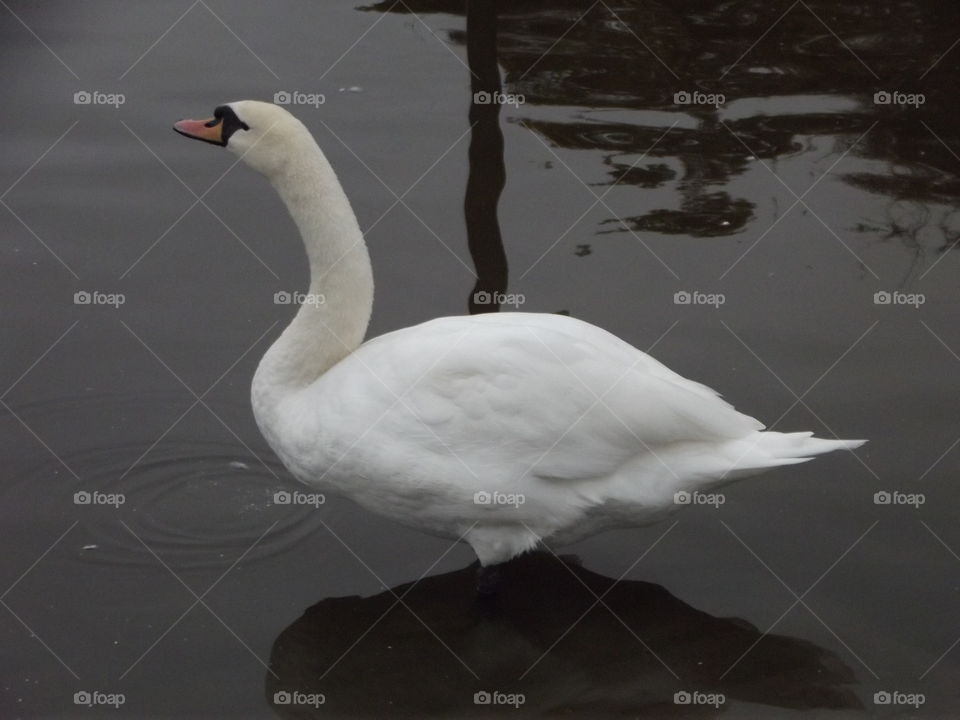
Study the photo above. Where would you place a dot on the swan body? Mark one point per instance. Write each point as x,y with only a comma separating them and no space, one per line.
501,430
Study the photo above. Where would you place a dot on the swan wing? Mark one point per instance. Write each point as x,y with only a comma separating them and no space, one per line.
514,394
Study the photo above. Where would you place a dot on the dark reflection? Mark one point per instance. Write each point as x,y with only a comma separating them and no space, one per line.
701,216
649,177
487,173
625,61
399,668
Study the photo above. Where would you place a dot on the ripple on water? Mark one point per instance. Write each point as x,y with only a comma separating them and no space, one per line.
194,503
197,506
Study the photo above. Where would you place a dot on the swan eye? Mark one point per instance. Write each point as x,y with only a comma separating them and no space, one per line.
231,123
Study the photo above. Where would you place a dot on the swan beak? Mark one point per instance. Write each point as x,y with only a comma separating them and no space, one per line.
210,131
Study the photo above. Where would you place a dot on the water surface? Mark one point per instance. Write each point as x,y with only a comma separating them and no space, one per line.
202,596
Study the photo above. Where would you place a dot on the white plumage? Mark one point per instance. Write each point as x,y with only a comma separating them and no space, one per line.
500,429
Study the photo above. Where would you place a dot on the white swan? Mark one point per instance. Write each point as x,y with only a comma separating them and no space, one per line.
446,426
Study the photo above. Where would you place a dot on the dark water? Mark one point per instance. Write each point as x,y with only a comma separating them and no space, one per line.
201,596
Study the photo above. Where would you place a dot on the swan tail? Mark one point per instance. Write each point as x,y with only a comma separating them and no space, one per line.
772,449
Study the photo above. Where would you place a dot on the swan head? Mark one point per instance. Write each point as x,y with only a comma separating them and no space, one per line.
265,136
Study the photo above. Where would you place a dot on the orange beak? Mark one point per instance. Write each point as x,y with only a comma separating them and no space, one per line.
210,131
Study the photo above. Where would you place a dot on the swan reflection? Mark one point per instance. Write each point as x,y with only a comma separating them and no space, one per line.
550,643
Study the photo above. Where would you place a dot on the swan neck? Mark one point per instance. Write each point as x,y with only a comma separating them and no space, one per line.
334,313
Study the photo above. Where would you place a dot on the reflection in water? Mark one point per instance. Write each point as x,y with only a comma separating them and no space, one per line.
487,173
706,215
927,230
602,666
619,66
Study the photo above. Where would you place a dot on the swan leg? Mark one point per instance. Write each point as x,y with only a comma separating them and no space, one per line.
489,581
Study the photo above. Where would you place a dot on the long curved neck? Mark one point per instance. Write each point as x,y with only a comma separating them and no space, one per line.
333,321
